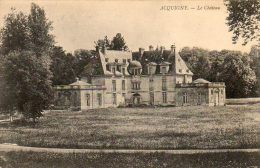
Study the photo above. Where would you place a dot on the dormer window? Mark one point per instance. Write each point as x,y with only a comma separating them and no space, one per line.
116,60
106,59
163,70
123,71
114,70
187,71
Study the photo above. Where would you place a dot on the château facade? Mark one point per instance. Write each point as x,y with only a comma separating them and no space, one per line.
153,77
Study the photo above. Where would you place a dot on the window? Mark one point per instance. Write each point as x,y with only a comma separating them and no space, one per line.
116,60
187,71
136,86
114,70
99,99
164,84
119,68
114,98
199,98
221,91
163,69
128,60
180,70
113,85
151,98
107,67
88,99
106,59
123,94
123,71
123,84
212,92
164,94
151,80
185,98
124,61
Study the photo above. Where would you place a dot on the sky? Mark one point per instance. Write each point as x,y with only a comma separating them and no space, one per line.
77,24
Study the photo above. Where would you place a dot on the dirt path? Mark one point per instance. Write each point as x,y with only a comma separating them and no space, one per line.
10,147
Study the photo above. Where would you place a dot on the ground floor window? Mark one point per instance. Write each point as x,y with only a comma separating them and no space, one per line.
164,94
151,98
99,99
114,98
185,98
199,98
88,99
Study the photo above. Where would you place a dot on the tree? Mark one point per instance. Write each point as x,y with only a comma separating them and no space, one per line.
198,61
62,67
26,76
237,74
26,43
39,31
14,34
255,65
244,19
118,43
103,43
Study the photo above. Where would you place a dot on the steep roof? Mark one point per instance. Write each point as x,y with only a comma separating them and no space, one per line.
180,66
143,59
109,57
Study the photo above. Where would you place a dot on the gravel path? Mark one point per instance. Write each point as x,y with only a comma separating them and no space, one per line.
13,147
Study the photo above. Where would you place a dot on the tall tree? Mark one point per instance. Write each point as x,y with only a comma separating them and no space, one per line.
118,43
26,44
62,67
26,77
244,19
236,72
255,64
39,31
103,43
197,60
14,34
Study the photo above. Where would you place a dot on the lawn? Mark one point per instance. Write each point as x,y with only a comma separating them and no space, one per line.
196,127
158,160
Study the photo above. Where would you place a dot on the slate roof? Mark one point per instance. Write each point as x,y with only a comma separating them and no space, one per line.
156,57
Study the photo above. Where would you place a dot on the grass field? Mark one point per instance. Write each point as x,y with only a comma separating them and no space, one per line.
158,160
142,128
242,101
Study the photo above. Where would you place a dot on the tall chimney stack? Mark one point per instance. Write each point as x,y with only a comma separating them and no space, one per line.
173,48
150,48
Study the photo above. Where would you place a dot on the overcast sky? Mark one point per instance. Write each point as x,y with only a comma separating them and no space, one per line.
78,24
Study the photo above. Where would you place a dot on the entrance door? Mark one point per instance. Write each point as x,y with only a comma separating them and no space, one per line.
136,99
216,99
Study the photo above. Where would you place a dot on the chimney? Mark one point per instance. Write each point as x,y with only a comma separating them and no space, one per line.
173,48
162,48
97,48
150,48
104,48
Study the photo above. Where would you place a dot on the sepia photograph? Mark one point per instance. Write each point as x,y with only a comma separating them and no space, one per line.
129,84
